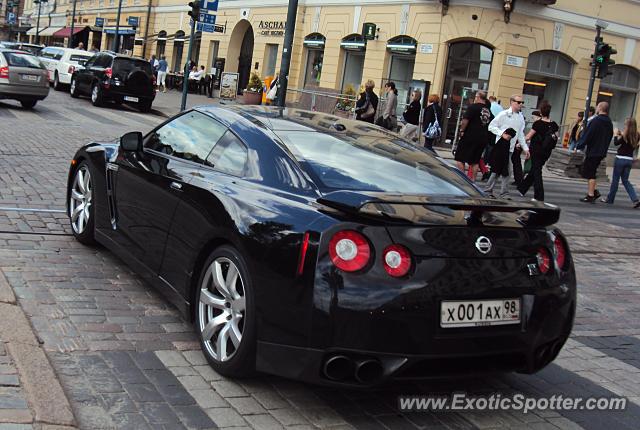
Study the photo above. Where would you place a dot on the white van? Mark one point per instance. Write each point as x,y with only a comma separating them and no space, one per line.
61,63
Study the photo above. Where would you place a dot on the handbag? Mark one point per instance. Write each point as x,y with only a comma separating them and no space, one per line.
369,111
433,130
273,93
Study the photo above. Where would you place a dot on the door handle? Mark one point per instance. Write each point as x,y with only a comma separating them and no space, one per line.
176,186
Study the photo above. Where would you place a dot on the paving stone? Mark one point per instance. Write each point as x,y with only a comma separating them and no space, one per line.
263,422
176,395
118,403
207,373
288,416
226,417
209,399
196,358
172,358
227,388
194,417
270,400
195,382
158,413
246,406
143,393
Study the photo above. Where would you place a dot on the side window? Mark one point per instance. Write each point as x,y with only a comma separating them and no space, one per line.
91,61
190,137
229,155
103,61
58,54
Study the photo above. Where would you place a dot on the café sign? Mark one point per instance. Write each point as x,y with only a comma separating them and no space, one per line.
272,28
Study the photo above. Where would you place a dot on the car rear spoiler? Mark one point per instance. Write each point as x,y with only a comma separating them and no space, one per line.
381,204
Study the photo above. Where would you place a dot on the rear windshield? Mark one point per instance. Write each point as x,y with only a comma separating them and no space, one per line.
340,162
125,66
76,57
18,59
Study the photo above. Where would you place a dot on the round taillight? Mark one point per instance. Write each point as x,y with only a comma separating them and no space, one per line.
544,260
349,250
560,252
396,260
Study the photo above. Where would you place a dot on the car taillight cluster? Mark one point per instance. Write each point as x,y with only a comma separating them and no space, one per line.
4,72
108,72
350,252
71,70
559,255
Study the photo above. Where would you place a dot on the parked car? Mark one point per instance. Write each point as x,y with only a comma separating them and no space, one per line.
61,63
108,76
22,77
22,46
326,249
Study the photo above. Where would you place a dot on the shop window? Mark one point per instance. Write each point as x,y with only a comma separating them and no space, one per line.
354,48
402,50
270,58
620,90
161,44
314,44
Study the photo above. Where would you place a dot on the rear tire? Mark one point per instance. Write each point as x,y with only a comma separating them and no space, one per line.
96,95
73,90
81,209
56,82
227,311
28,104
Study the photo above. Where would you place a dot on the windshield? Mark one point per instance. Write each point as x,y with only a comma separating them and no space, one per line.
341,162
75,58
18,59
124,66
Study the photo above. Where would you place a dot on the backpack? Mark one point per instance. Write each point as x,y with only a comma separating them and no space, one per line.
547,143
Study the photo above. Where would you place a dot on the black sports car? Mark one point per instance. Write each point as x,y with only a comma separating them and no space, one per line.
327,250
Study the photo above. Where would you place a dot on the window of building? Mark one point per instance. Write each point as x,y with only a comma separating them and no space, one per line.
178,47
270,58
161,44
314,44
354,48
402,52
620,89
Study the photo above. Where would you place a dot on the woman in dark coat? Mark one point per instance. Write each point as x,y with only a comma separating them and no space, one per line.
368,97
432,112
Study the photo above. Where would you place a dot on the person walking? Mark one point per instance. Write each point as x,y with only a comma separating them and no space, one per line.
389,119
543,137
496,108
473,134
163,66
432,128
596,138
628,142
573,137
509,118
367,104
411,116
272,94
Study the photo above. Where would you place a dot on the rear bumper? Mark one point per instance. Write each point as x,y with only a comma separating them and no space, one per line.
20,92
118,93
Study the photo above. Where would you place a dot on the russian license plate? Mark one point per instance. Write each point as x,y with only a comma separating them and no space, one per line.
33,78
130,99
479,313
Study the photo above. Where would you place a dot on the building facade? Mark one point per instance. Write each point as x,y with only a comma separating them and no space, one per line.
542,48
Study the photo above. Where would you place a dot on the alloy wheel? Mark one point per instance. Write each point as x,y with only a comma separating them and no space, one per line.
80,200
94,93
72,90
222,308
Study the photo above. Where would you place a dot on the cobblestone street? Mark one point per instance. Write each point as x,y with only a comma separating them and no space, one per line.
126,359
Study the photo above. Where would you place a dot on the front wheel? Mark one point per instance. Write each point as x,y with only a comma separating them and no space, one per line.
225,313
28,104
81,209
56,82
73,90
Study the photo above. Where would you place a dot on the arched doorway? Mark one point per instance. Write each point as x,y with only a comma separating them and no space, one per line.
353,49
161,43
314,44
548,76
468,70
241,52
178,48
620,89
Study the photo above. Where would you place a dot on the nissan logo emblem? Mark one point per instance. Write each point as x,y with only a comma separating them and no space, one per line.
483,244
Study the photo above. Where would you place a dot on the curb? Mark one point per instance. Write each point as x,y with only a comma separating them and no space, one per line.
44,393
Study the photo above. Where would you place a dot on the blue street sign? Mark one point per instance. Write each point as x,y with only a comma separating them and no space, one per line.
206,18
99,22
133,21
206,28
209,5
11,18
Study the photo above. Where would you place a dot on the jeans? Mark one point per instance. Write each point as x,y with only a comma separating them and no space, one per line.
572,144
534,177
621,170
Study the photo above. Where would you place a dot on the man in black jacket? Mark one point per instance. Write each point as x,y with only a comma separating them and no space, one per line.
596,138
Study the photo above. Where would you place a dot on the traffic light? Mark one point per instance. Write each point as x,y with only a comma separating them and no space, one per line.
194,13
603,59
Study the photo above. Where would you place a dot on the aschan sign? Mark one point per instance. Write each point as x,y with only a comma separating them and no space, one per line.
272,28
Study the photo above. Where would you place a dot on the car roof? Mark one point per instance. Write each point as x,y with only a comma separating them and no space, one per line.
277,120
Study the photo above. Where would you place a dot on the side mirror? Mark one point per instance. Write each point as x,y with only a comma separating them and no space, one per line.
131,141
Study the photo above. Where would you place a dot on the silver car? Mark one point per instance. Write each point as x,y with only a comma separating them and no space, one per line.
22,77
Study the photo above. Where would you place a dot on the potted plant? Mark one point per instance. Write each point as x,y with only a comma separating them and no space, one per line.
253,93
346,102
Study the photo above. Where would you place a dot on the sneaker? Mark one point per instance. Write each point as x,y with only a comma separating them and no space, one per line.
636,205
533,200
603,200
588,199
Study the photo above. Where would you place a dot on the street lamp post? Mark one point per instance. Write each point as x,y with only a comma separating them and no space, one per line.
116,44
39,3
73,21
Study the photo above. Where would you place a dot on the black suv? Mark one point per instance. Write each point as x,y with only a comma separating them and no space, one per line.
109,76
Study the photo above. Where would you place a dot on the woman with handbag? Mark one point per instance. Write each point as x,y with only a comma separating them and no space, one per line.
432,119
412,116
389,119
272,94
367,104
628,142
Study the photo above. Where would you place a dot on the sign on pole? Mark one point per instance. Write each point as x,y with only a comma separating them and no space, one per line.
206,18
133,21
211,5
11,18
99,22
206,28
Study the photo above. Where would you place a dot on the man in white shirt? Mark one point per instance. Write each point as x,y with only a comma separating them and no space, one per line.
509,118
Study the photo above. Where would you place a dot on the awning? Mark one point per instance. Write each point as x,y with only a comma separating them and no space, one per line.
65,32
32,30
49,31
121,30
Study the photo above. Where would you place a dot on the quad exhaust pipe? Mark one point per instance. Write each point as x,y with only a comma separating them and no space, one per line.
341,368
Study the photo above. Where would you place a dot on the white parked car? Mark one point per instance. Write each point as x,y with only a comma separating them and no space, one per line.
61,63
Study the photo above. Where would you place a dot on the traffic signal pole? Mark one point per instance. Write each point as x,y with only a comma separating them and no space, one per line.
286,52
73,21
592,79
194,13
116,45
